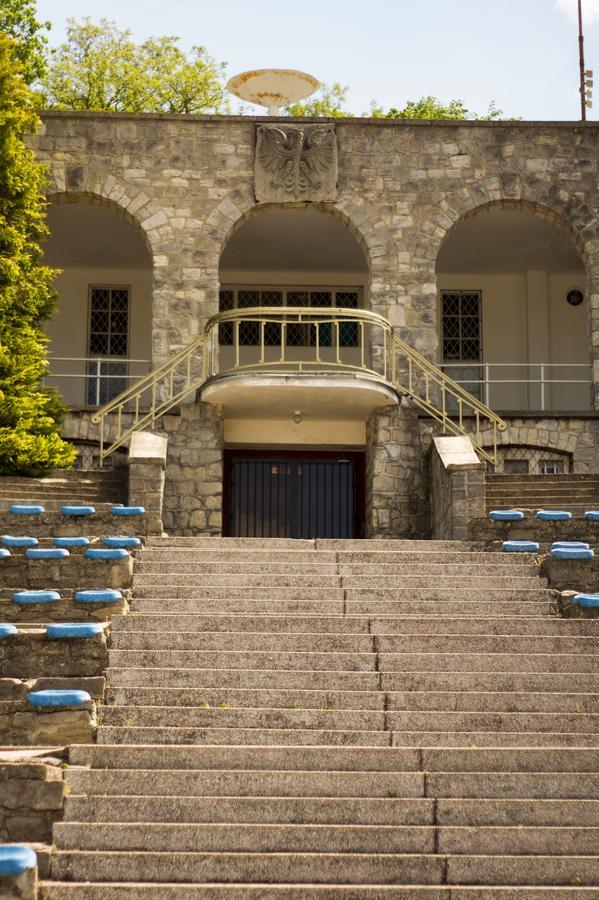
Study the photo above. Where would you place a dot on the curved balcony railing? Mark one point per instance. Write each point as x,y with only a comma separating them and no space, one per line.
299,339
304,340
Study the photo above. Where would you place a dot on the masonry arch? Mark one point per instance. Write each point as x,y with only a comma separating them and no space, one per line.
513,307
101,333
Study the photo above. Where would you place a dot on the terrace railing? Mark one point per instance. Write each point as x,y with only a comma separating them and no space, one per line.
302,340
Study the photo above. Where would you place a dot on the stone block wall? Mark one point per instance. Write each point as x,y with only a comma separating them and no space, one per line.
397,503
194,472
457,487
31,797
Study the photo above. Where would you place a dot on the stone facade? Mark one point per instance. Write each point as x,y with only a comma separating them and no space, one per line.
31,798
457,487
396,476
194,475
187,183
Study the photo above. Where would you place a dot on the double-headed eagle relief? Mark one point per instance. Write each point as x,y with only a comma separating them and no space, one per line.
296,162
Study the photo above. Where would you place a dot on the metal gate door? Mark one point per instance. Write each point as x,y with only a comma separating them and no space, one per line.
293,495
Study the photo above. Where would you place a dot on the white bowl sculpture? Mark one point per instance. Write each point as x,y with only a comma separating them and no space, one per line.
273,88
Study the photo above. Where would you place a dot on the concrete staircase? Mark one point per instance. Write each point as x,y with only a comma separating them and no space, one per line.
575,493
65,486
338,719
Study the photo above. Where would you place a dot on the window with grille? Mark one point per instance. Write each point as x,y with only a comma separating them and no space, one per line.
108,337
461,326
298,334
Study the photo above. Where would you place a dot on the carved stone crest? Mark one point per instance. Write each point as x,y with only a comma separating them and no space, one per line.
296,162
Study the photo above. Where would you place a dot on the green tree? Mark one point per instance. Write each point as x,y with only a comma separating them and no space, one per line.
29,414
101,67
18,21
327,102
431,108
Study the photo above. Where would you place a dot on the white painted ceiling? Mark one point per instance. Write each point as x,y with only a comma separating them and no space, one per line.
293,239
83,235
501,241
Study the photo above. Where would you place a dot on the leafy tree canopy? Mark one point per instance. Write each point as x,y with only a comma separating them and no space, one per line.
327,102
29,414
100,67
18,21
431,108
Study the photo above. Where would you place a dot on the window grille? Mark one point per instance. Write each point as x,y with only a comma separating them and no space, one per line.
461,337
298,335
108,336
519,458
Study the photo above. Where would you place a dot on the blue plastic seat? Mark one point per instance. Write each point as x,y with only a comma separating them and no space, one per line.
107,595
46,553
58,698
122,540
570,545
19,541
74,630
16,859
520,547
70,541
7,631
100,553
589,601
26,598
592,515
554,515
26,509
506,515
571,553
77,510
4,553
127,510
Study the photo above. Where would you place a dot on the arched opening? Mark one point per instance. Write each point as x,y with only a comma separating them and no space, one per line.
513,312
101,333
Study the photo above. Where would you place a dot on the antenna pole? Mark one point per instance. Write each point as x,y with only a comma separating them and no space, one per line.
583,110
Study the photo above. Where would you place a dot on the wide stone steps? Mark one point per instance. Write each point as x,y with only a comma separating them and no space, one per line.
330,719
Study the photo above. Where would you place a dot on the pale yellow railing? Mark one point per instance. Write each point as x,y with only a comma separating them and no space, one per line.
299,340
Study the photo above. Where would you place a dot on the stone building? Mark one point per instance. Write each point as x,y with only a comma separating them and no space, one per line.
304,284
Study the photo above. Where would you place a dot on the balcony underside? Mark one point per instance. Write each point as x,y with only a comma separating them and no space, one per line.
316,396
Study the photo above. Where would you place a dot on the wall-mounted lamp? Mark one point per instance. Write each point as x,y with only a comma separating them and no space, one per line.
298,416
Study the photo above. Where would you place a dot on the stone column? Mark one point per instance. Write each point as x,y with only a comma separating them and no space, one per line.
457,487
194,473
147,461
396,495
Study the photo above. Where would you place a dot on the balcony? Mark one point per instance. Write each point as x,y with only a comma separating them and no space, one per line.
334,363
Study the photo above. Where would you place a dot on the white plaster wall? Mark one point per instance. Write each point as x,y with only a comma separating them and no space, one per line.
68,328
525,318
314,433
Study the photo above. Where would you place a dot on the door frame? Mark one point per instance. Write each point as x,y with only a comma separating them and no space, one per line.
358,457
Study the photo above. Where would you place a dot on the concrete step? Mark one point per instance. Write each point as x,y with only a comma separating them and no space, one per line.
491,662
512,813
438,720
344,625
497,701
246,640
238,735
493,739
496,682
202,592
244,605
284,838
146,676
283,699
261,867
375,759
394,644
197,717
233,659
161,577
324,868
244,783
62,890
257,810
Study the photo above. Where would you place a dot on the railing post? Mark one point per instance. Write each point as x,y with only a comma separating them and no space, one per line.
542,365
487,384
98,371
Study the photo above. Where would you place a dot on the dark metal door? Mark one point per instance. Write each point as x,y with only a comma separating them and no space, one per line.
294,495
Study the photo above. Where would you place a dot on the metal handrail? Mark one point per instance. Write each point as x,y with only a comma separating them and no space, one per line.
420,380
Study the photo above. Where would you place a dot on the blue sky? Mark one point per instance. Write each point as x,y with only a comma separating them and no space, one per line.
523,54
